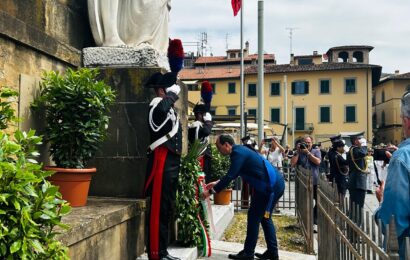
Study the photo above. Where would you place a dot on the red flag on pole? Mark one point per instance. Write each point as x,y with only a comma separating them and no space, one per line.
236,6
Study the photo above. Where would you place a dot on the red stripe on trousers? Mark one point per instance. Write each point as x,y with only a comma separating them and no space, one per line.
160,154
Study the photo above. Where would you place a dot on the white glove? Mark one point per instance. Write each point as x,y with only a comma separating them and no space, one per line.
207,117
195,124
174,88
362,142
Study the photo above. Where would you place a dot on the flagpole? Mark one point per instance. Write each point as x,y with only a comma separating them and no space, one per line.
242,92
260,91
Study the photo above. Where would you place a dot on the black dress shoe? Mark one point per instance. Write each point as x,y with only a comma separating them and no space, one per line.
240,255
170,257
266,255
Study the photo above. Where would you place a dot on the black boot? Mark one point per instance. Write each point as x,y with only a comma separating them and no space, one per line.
240,255
266,255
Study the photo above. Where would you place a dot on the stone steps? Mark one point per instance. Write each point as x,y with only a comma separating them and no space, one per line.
223,216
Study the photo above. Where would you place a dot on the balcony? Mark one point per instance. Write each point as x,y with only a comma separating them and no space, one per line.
306,127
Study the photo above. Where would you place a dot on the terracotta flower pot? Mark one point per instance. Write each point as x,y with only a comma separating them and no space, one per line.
73,183
223,197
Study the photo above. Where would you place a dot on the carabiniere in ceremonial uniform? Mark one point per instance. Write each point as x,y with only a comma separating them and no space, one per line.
164,156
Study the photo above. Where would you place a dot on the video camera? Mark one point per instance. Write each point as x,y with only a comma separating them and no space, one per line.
379,154
303,145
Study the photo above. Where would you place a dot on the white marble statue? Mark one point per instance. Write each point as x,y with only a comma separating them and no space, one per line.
130,22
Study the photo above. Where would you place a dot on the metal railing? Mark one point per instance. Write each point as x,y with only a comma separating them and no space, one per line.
304,205
302,127
241,192
347,232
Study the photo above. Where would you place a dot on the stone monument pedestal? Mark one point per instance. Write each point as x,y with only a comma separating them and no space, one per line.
121,161
141,57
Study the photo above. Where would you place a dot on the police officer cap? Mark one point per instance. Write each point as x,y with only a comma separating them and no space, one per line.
338,143
335,138
357,136
199,108
159,80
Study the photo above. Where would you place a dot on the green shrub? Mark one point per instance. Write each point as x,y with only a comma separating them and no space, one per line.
219,165
30,207
76,107
6,111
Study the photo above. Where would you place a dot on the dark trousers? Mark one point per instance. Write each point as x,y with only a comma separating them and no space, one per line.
162,202
256,213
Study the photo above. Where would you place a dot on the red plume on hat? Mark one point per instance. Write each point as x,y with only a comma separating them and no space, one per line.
175,55
206,93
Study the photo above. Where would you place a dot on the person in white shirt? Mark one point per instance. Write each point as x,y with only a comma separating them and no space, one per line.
274,154
371,177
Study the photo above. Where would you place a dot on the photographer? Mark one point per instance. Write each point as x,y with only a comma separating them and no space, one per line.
395,197
309,158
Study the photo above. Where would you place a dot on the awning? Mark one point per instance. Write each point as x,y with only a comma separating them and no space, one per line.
190,82
250,126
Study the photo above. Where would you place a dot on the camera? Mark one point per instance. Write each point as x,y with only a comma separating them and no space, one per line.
268,140
379,154
303,145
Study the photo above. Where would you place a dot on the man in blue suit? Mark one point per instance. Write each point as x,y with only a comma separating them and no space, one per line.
268,185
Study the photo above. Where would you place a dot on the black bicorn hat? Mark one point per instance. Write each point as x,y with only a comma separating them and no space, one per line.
199,108
335,138
159,80
153,80
357,136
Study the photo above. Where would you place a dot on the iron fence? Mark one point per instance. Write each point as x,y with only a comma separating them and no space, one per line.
347,232
304,205
241,192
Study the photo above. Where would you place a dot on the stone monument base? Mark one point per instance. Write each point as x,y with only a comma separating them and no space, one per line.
142,57
106,229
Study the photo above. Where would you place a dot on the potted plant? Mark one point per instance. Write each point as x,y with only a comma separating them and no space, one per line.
30,207
219,167
76,106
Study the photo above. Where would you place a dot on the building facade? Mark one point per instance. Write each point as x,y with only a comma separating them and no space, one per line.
386,108
322,98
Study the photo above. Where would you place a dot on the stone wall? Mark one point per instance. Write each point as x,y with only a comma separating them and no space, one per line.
36,36
107,228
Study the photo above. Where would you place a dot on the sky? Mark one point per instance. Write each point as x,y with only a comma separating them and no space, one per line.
320,25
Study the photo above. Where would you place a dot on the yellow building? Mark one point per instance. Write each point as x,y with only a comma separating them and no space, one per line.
386,108
328,97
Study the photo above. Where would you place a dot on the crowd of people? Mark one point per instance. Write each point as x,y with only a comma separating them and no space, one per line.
358,169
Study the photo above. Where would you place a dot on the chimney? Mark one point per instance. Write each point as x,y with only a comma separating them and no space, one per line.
397,72
314,52
292,59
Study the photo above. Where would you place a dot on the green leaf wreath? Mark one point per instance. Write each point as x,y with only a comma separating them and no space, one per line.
187,204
